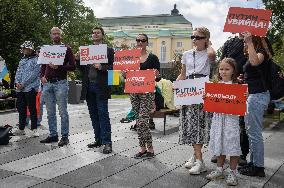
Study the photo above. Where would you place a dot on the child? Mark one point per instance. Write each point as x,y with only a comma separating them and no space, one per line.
225,130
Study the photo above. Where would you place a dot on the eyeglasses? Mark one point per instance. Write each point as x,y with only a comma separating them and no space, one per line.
197,37
139,40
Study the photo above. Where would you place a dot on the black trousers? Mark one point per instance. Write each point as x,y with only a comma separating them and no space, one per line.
243,137
24,100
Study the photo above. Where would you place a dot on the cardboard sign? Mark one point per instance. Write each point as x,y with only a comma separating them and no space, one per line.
127,59
256,21
93,54
54,54
225,98
190,91
140,81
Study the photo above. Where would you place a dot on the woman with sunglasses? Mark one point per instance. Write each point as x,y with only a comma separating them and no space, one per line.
194,125
142,104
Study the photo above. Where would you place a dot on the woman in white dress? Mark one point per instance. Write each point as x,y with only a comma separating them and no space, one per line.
225,130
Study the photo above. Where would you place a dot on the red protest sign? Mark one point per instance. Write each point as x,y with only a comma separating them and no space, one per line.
127,59
256,21
225,98
140,81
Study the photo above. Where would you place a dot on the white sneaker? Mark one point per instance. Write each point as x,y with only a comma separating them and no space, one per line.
232,179
34,133
19,132
215,175
198,168
190,163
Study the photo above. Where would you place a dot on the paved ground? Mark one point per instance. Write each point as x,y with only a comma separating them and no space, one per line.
27,163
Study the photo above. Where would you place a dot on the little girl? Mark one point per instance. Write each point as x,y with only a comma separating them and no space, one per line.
225,131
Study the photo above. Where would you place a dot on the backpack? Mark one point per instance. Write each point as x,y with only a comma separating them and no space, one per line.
5,135
274,80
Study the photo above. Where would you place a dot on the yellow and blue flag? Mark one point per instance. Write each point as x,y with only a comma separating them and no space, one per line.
5,74
113,77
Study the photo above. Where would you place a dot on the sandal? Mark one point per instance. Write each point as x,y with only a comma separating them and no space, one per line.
125,120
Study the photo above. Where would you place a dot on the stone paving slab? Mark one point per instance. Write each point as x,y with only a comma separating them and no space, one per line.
19,181
66,165
50,184
5,173
95,172
136,176
180,178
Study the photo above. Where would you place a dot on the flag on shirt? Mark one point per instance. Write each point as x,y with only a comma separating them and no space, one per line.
113,77
5,74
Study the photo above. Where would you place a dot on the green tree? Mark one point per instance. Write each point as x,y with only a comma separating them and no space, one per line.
276,31
32,20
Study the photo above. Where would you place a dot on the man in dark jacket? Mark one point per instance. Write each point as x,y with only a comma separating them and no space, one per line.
95,86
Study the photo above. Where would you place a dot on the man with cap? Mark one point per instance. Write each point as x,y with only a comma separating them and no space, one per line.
55,91
27,83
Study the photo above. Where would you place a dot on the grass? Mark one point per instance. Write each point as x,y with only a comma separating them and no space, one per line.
119,96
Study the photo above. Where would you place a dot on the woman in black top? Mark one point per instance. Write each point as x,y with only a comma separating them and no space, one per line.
254,74
142,104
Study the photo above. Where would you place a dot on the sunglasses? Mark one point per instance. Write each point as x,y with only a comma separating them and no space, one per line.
197,37
139,40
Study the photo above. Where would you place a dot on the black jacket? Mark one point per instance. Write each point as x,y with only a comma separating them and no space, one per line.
102,77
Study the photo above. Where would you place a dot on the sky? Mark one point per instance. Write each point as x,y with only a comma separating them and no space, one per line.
208,13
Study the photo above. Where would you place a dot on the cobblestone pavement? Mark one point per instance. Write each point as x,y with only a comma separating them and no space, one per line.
27,163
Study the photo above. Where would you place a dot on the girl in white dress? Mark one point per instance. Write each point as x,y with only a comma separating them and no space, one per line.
225,130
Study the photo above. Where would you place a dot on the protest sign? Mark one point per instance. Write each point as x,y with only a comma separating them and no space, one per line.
256,21
93,54
140,81
127,59
190,91
225,98
54,54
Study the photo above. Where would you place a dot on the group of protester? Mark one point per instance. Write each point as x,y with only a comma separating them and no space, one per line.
243,60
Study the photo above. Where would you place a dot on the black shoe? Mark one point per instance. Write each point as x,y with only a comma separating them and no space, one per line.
214,159
242,161
253,171
125,120
148,155
139,154
248,165
107,149
151,124
63,141
94,145
50,139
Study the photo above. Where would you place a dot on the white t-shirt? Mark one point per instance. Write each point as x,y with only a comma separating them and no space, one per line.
202,65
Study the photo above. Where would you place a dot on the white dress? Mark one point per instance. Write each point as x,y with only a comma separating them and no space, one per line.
225,135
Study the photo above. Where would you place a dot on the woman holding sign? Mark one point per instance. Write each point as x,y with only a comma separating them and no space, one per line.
259,52
194,122
142,103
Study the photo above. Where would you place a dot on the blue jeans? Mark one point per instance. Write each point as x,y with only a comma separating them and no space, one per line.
56,93
256,105
98,109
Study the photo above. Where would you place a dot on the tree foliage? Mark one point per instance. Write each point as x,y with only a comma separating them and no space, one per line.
22,20
276,31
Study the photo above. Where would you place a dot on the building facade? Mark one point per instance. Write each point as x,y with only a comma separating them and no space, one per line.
169,34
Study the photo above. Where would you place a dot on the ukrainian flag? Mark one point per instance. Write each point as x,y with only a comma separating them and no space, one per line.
5,74
113,77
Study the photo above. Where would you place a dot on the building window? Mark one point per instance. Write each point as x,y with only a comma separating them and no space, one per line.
179,44
163,52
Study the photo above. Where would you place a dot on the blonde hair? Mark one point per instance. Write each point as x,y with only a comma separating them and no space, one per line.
205,32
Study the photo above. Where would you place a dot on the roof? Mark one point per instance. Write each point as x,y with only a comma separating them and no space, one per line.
160,19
